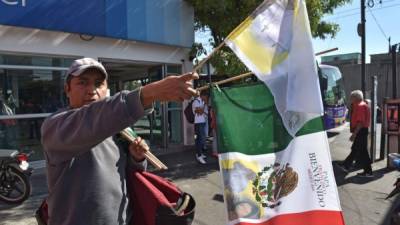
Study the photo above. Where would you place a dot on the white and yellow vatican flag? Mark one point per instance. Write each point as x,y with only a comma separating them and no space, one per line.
274,42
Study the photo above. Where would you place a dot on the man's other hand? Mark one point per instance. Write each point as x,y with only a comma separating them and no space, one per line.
171,88
137,149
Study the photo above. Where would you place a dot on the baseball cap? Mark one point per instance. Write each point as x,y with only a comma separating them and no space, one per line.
79,66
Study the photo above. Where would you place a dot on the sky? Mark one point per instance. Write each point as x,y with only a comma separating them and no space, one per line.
383,21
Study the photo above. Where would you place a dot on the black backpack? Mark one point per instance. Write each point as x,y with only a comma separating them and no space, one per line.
189,112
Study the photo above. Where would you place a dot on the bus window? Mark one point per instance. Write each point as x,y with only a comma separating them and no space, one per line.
333,96
332,86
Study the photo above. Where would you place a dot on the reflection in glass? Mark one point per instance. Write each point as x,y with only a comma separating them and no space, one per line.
27,60
22,134
32,91
30,87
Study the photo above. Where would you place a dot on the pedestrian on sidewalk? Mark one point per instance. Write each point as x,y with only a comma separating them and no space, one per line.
359,123
200,111
86,166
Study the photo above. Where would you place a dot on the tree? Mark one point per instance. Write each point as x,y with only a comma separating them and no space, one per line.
222,16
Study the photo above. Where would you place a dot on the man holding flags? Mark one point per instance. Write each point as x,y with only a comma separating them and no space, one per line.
86,167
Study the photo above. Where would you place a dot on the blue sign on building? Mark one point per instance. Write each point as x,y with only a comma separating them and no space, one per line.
166,22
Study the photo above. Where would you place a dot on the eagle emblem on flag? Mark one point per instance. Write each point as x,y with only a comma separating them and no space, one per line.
273,183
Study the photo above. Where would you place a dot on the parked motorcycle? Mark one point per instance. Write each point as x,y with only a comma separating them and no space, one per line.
15,186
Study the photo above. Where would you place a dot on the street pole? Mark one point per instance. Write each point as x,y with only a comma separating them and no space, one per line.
363,34
374,102
394,70
164,114
209,73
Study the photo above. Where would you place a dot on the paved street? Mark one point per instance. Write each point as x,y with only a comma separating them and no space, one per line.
362,199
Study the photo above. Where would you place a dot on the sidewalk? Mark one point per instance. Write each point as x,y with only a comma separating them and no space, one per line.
362,199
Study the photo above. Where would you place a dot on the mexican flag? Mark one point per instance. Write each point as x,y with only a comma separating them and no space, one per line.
269,176
273,151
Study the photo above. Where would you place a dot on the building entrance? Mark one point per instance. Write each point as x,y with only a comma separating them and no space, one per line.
164,125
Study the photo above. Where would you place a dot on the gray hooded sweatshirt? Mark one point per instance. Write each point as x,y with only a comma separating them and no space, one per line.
86,168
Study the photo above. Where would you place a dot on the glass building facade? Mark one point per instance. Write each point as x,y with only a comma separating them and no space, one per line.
31,88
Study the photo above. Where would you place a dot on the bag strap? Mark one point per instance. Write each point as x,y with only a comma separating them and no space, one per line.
182,207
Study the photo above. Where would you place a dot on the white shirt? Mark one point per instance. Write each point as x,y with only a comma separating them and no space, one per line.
199,103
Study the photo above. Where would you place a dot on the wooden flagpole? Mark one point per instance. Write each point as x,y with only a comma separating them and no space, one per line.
326,51
148,155
226,80
201,63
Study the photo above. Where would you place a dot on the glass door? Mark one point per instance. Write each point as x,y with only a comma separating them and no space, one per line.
174,111
164,124
155,119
